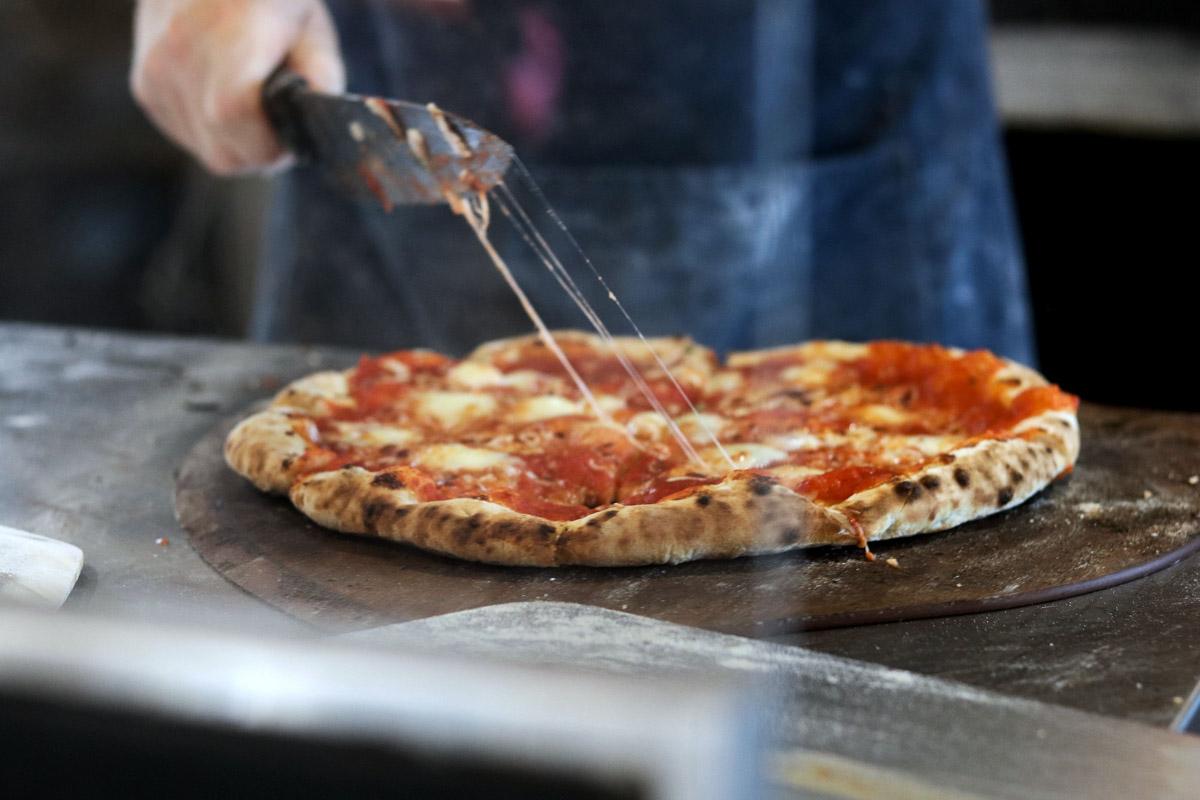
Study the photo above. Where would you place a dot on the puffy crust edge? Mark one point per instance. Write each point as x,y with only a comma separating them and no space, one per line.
265,448
735,518
970,482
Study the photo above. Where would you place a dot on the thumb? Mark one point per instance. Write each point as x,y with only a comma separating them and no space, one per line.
316,54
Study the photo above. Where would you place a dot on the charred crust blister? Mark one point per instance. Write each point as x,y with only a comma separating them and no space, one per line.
387,480
1015,477
907,491
703,499
962,477
931,482
1004,496
371,513
761,485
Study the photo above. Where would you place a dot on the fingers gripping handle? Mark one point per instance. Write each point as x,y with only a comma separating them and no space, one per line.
280,95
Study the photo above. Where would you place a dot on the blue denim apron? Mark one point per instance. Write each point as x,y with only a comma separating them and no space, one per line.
749,173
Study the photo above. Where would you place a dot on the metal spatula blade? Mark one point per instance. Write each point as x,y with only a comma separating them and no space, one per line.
364,143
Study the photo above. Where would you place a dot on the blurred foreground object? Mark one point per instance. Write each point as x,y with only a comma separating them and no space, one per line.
36,570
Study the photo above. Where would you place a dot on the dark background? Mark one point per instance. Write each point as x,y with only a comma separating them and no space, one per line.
103,223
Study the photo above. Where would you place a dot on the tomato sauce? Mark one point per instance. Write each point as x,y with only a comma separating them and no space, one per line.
568,470
838,484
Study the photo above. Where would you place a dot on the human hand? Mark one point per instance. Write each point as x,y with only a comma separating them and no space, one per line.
199,66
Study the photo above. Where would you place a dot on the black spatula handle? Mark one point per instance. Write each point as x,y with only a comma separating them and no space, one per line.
280,93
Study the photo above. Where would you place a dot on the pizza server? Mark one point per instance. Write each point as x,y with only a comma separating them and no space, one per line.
392,151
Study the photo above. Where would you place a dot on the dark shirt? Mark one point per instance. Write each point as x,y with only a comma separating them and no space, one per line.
750,173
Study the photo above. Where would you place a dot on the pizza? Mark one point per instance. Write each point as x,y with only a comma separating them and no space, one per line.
499,458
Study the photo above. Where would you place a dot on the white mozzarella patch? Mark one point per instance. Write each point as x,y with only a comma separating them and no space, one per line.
725,382
454,409
883,416
546,406
474,375
646,425
791,474
812,373
751,456
803,440
370,434
926,445
609,404
694,425
524,379
460,458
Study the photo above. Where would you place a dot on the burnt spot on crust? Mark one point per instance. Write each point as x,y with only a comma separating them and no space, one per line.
371,513
286,463
761,485
1015,477
388,481
703,499
962,477
789,536
510,530
612,512
472,522
401,511
947,458
545,532
931,482
1004,496
1011,381
907,491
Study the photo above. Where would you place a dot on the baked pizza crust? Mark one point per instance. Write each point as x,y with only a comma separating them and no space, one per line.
737,517
740,516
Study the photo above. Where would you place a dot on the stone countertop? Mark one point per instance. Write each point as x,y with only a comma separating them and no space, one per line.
93,426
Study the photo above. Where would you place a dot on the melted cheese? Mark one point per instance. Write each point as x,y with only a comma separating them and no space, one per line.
646,425
460,458
883,416
805,440
482,375
813,373
474,375
725,382
792,474
544,407
693,426
753,456
744,455
454,409
370,434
